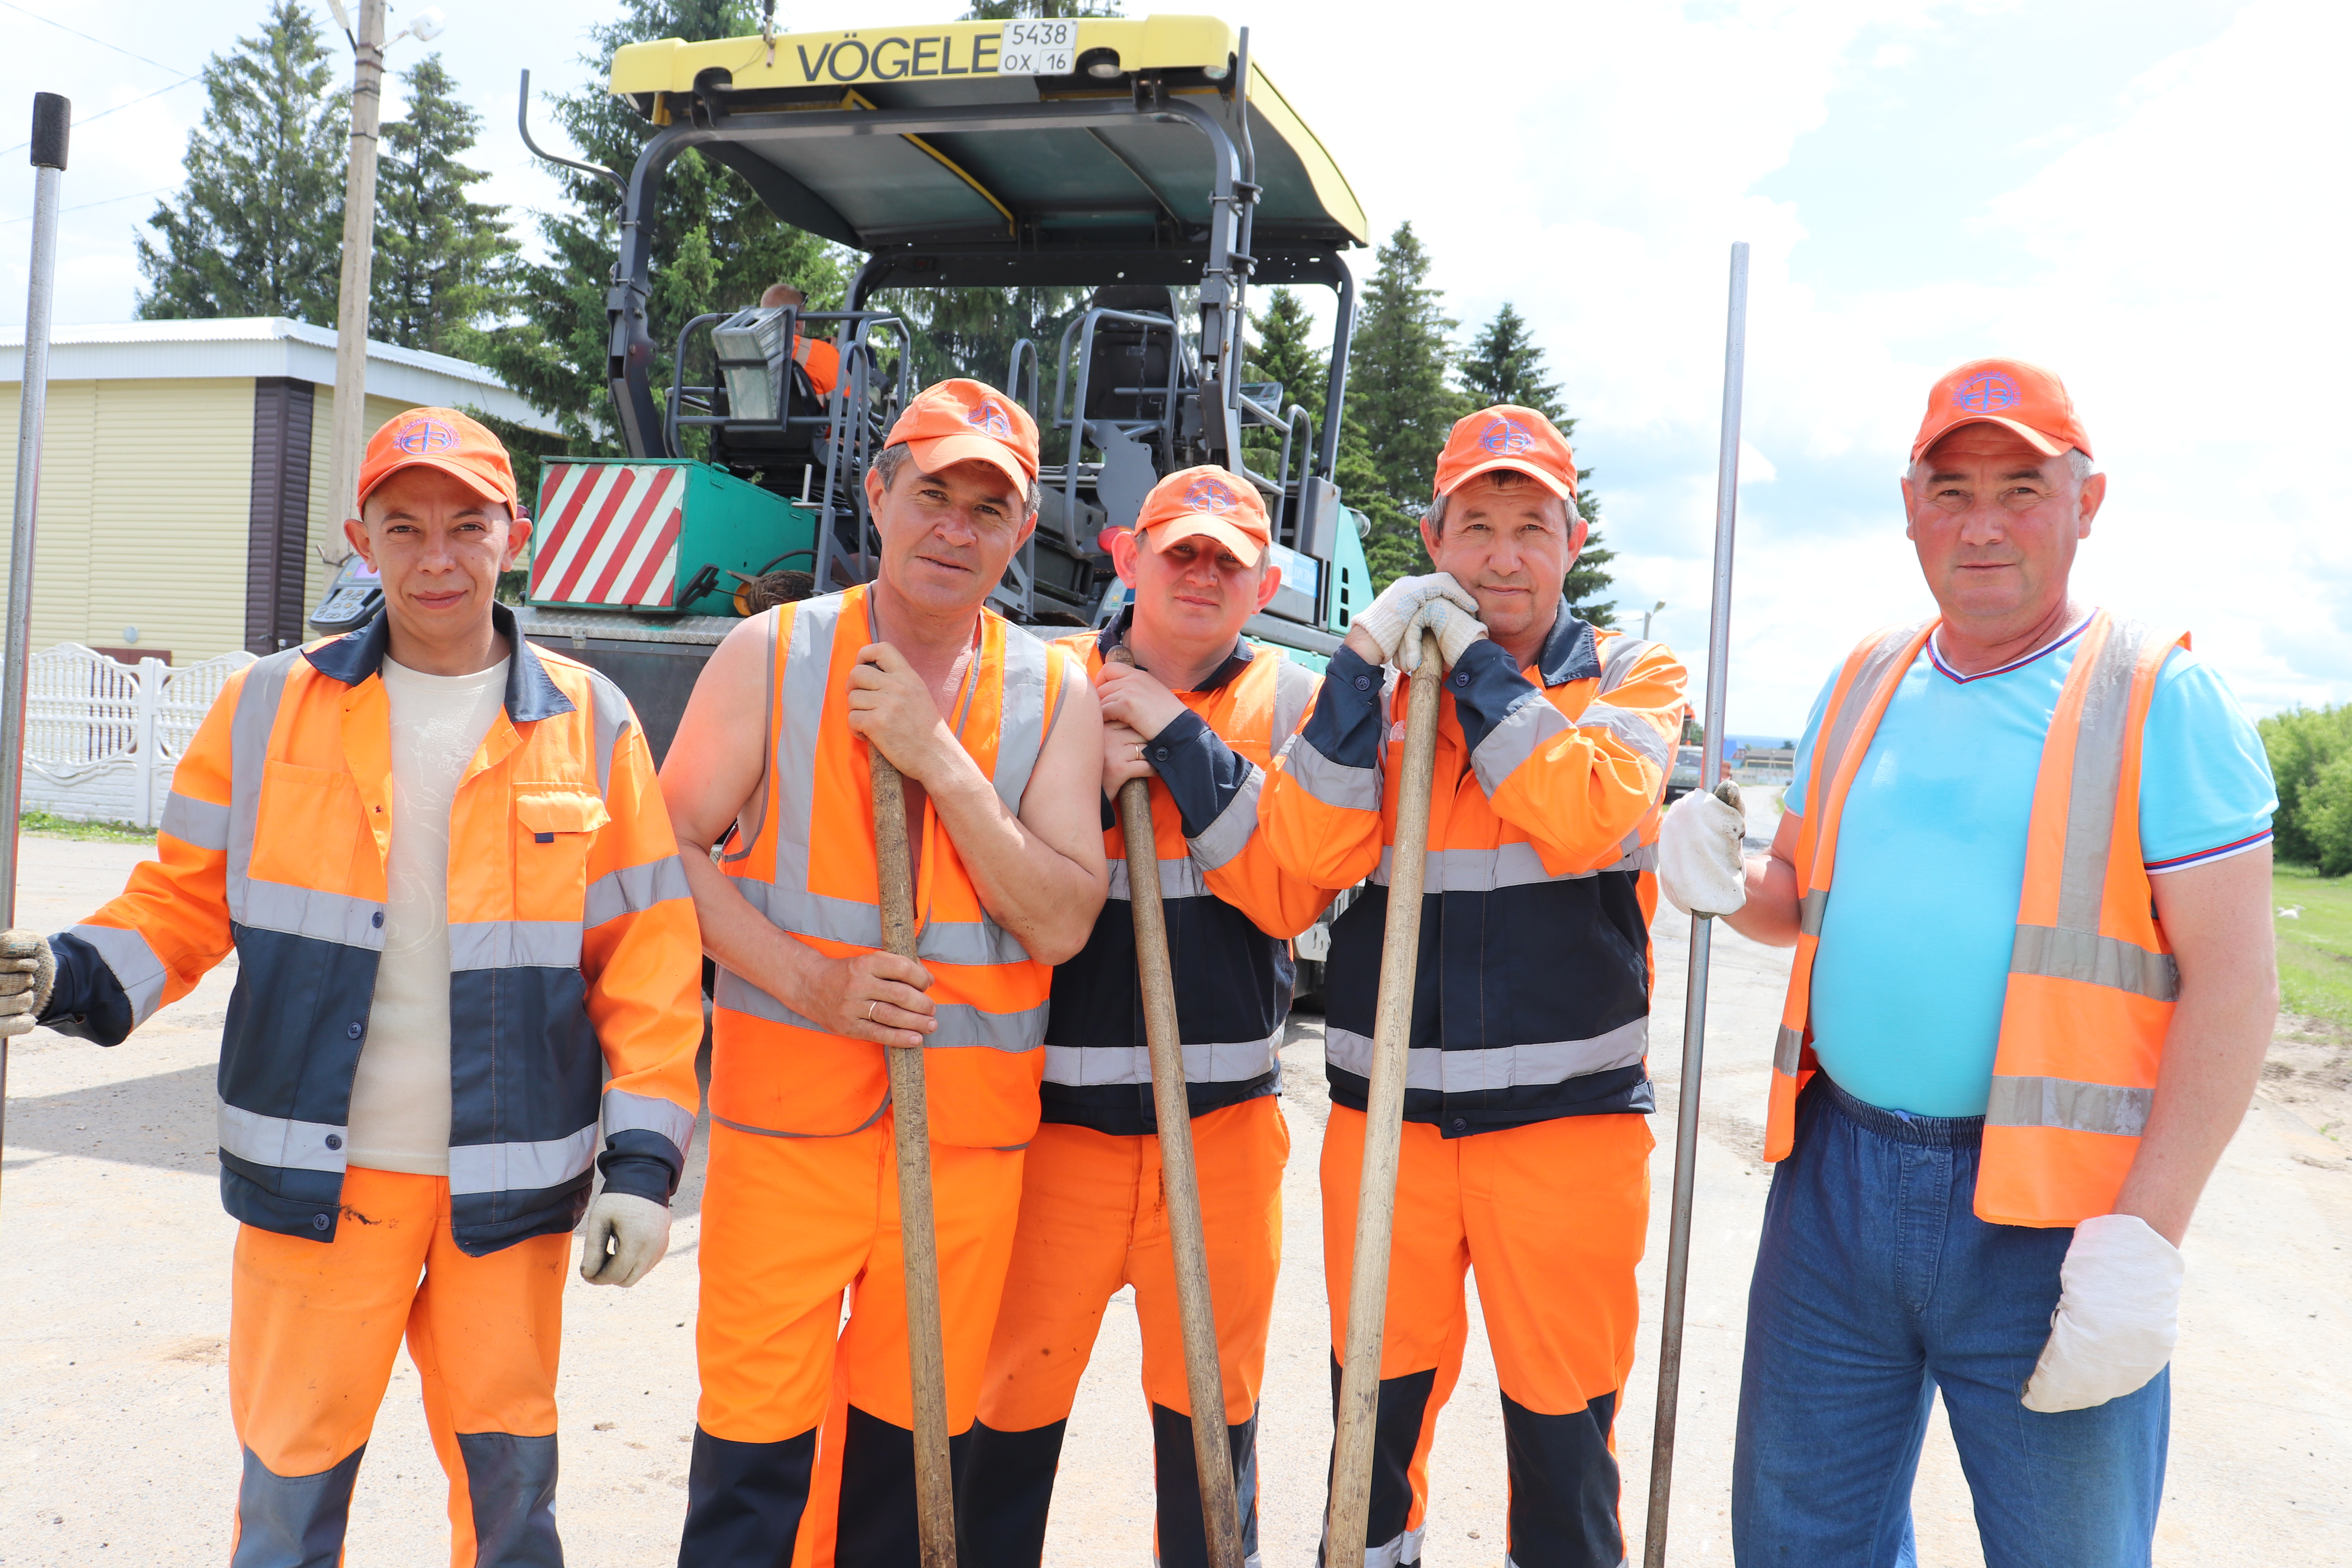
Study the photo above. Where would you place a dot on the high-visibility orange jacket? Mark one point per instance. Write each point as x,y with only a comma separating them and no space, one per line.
1231,907
1531,999
807,862
2092,980
820,359
573,943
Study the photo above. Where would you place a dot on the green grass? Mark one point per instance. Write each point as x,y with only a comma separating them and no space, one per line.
49,826
2315,946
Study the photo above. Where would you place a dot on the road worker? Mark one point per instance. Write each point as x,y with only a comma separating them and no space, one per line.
464,941
1526,1152
819,358
2017,1032
1199,714
999,741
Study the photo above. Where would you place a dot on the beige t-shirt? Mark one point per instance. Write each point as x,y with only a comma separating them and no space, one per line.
400,1099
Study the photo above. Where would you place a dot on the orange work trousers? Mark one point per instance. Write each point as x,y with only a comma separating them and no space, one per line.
314,1327
1094,1216
1553,1217
789,1227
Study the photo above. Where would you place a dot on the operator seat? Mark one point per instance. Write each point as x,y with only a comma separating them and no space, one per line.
1126,374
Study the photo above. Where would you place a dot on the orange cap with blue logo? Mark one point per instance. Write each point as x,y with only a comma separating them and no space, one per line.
962,421
2009,392
1206,502
440,439
1507,436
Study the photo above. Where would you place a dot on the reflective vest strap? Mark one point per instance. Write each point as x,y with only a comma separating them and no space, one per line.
800,349
258,698
1031,700
1294,689
1618,660
2069,1106
2091,959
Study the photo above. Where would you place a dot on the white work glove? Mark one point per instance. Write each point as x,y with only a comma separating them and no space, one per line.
28,970
637,1230
1387,618
2119,1315
1701,863
1454,627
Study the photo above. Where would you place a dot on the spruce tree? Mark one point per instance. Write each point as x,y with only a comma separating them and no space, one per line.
257,229
441,258
1399,392
716,245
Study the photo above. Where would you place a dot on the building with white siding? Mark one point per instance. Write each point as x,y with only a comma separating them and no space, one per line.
184,477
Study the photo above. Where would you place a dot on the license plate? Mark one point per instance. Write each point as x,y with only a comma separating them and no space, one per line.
1037,48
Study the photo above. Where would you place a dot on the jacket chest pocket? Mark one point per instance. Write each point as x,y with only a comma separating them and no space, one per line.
309,829
554,828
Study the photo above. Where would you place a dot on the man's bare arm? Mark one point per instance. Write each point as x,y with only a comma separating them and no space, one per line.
1040,875
1770,915
2217,918
716,763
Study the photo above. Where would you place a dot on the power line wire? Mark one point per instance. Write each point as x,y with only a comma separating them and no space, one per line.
104,113
84,206
77,33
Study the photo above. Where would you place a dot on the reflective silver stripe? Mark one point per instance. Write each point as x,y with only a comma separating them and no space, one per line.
308,911
633,888
613,719
514,944
197,822
1635,730
808,659
521,1167
1230,834
1178,880
2098,771
280,1141
257,715
1021,726
1507,866
1343,788
1810,911
844,919
1295,686
1618,662
1088,1066
136,968
1829,751
1389,1553
2095,960
1496,1067
2072,1106
1515,740
962,1024
1789,1051
626,1112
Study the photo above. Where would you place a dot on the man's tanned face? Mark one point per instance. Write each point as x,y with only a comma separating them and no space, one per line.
1996,523
1511,542
440,548
947,537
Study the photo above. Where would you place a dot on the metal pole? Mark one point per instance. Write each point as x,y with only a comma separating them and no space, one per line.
359,268
1718,664
52,121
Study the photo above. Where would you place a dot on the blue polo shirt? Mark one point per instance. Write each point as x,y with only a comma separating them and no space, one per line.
1915,949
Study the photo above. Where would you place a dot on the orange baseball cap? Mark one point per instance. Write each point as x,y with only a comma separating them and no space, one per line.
962,421
1210,502
2011,392
440,439
1507,436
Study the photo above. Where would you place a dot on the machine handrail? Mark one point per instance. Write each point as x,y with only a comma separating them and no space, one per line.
1152,321
1036,375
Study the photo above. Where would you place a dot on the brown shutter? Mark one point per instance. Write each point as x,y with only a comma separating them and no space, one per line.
277,539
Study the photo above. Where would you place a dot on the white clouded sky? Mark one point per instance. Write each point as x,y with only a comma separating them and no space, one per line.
2147,196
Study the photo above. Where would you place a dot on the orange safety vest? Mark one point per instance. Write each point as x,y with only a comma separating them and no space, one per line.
820,359
808,865
2091,978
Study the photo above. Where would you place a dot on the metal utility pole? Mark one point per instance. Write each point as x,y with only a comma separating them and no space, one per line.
52,121
1718,666
1652,610
359,265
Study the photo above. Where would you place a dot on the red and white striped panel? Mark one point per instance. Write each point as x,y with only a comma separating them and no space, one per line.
608,535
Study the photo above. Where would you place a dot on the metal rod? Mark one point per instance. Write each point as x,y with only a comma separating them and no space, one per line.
1368,1268
1718,663
918,1234
1213,1456
52,127
350,436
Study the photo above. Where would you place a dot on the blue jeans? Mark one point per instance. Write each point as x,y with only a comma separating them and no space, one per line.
1875,1286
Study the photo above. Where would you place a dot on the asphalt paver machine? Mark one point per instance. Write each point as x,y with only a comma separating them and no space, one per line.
1143,169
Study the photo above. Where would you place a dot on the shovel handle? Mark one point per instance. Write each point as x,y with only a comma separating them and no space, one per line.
926,1361
1368,1273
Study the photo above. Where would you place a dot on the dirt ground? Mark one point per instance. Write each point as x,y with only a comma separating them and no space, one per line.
115,1444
